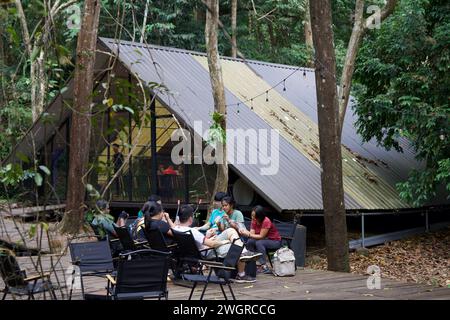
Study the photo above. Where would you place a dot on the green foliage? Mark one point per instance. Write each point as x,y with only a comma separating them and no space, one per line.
216,133
403,71
15,115
13,174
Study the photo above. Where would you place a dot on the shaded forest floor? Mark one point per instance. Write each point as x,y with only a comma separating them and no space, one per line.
419,259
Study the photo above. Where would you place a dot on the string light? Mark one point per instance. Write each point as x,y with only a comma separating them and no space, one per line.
252,104
370,116
271,88
238,107
304,74
267,96
442,135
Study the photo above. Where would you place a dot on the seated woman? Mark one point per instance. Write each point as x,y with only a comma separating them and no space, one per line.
210,226
232,218
156,218
262,235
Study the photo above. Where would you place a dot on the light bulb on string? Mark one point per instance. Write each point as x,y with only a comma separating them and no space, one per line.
251,107
304,74
370,116
267,96
442,135
237,108
284,85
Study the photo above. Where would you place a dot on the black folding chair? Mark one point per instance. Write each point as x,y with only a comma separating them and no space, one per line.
127,242
92,258
17,282
187,252
141,274
157,241
223,272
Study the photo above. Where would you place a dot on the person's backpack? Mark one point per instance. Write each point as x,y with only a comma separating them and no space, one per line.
284,262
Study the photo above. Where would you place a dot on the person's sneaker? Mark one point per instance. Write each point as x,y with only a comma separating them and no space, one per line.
249,256
244,279
264,270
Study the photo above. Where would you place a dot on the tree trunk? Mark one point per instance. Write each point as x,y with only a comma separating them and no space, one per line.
360,28
144,22
329,137
215,73
24,27
80,131
38,84
308,32
233,28
3,63
273,41
38,74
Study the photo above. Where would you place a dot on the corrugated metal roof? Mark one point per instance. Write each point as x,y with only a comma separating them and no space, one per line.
297,185
179,73
361,183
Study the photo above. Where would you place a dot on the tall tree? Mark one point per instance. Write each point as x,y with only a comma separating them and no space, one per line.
37,51
233,28
218,91
329,137
308,32
80,131
331,107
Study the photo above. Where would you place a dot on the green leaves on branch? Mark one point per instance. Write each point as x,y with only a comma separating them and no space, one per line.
34,228
12,174
403,88
216,133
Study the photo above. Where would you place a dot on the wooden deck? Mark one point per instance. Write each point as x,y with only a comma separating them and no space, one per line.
307,284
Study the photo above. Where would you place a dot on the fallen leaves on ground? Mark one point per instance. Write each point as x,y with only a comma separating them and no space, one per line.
420,259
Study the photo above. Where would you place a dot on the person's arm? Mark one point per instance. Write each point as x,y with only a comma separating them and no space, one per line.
262,235
204,227
220,223
171,224
233,224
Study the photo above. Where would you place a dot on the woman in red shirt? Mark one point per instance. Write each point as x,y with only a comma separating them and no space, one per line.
262,235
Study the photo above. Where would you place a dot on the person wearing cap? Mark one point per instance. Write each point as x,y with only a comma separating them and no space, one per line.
211,226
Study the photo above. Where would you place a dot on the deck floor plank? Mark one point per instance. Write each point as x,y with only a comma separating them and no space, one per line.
307,284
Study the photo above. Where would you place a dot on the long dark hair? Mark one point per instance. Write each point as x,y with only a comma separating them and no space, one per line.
260,213
230,201
150,209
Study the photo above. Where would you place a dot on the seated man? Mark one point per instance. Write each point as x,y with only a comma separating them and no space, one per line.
221,243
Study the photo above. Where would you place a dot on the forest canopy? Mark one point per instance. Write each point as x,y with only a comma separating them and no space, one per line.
401,80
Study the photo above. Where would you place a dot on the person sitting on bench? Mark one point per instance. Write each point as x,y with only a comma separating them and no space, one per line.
263,234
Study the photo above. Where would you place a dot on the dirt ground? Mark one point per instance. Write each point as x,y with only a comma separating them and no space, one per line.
420,259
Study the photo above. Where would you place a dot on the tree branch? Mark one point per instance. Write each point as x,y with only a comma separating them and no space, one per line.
360,27
385,12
